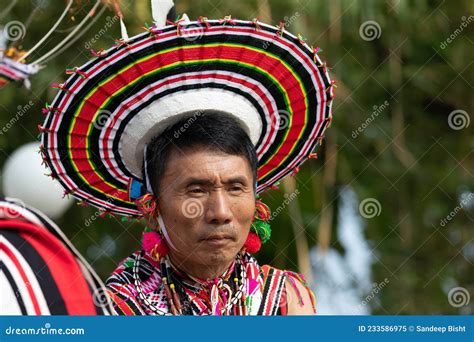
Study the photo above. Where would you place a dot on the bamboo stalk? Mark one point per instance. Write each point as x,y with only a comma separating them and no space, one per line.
304,266
327,209
406,158
324,232
264,11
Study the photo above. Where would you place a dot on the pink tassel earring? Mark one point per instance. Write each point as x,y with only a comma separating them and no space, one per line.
154,244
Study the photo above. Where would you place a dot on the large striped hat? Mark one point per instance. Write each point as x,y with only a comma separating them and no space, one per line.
271,81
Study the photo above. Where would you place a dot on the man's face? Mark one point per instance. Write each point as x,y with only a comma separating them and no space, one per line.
207,203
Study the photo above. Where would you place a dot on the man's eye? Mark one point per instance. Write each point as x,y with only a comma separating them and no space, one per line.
236,188
196,191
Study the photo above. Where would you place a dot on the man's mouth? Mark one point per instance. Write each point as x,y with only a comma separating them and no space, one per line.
218,239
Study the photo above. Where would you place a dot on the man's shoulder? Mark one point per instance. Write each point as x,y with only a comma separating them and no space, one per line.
271,271
298,297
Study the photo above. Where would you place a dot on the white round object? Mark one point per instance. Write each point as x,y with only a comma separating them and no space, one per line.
25,178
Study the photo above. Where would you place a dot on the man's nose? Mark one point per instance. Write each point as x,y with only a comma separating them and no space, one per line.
218,209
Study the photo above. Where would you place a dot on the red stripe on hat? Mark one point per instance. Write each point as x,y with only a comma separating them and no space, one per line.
106,142
62,265
99,97
23,275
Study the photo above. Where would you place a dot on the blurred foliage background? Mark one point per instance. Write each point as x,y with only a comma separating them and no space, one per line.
401,85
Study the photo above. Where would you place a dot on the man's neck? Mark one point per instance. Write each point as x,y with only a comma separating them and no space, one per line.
203,272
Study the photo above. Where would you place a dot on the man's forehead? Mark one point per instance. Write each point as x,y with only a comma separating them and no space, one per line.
205,164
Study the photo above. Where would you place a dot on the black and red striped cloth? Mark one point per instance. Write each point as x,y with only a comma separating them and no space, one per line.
41,271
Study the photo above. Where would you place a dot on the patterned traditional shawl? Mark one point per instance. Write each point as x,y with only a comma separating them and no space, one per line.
136,288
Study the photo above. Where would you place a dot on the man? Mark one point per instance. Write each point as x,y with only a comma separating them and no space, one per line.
205,182
185,126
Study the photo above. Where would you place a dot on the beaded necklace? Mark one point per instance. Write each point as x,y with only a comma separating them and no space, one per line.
185,294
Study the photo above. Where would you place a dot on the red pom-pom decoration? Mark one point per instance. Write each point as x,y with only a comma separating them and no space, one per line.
253,243
154,245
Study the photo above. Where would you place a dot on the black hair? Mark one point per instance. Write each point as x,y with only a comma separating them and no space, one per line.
209,129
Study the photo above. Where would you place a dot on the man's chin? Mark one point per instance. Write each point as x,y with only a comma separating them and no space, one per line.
215,256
